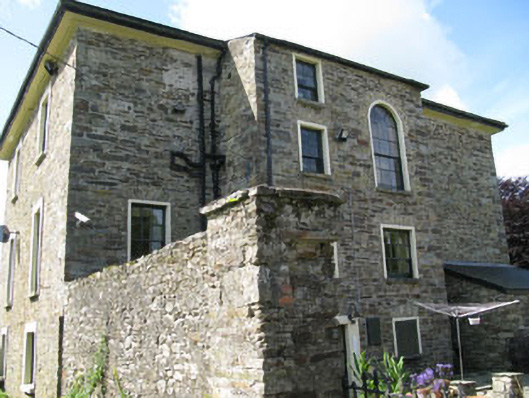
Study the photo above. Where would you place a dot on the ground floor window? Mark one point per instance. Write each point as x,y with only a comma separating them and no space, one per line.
407,337
3,354
30,349
149,227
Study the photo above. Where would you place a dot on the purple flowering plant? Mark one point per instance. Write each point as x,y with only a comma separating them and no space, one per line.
434,378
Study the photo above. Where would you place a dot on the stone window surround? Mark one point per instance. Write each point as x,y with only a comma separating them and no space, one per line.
352,342
10,279
4,336
402,143
30,327
38,207
319,76
15,188
395,320
413,248
43,131
325,145
167,206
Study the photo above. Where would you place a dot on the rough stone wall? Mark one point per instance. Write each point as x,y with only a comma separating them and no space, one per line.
124,128
244,309
488,346
49,181
242,140
453,203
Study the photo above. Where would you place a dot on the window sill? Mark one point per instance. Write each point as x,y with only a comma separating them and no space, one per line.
322,176
28,388
413,357
312,104
405,281
14,198
392,192
33,296
8,306
40,158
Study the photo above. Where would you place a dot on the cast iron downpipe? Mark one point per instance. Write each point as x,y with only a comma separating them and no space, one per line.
269,178
201,140
215,166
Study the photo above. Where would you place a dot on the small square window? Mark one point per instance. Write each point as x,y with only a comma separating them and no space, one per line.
407,337
149,227
30,349
308,79
399,252
314,149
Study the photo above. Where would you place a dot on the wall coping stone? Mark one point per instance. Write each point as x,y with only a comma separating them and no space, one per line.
265,190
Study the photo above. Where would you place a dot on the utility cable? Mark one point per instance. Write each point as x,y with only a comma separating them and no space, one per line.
34,45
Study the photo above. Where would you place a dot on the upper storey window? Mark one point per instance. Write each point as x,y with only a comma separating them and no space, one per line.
308,79
43,133
313,148
388,150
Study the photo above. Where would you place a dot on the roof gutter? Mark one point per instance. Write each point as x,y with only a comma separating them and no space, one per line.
342,61
435,106
103,15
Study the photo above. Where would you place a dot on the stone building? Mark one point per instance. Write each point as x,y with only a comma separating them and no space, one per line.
344,193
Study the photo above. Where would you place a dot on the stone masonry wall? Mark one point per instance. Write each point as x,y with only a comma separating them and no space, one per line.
125,126
243,310
49,181
488,346
453,202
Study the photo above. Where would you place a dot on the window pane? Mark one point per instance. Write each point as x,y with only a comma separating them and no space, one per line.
398,253
35,259
43,125
10,269
386,149
147,229
407,338
306,80
312,150
2,356
29,357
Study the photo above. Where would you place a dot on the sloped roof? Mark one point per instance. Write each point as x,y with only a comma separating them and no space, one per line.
503,277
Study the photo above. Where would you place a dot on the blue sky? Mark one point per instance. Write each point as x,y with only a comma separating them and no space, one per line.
473,53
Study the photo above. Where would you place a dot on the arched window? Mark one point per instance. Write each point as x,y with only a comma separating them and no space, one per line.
386,149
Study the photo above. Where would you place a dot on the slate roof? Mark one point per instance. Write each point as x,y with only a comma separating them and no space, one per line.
503,277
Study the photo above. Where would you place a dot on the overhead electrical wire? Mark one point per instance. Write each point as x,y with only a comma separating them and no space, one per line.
34,45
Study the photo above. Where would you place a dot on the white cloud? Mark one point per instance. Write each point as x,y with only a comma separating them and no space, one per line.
448,95
513,161
399,36
29,3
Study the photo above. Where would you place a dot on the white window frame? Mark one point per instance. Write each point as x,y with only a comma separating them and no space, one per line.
148,202
15,187
335,248
325,145
4,332
319,76
10,277
43,131
402,143
413,248
29,328
395,320
39,206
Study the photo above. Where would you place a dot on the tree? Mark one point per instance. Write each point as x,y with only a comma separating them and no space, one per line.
514,194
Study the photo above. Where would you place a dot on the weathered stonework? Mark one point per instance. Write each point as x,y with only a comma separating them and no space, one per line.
248,307
49,181
258,321
489,345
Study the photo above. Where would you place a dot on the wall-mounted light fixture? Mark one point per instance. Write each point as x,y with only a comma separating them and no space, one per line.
5,233
341,134
51,67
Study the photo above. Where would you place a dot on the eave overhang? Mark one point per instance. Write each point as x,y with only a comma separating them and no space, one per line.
461,118
69,16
